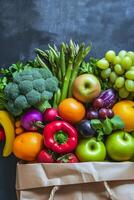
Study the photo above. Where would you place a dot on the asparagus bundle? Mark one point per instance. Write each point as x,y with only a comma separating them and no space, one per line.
64,64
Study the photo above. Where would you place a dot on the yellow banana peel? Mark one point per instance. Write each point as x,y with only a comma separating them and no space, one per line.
7,123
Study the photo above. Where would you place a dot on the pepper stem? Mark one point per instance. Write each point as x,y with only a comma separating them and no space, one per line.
61,137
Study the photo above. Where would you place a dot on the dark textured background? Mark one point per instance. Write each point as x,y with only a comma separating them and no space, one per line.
26,24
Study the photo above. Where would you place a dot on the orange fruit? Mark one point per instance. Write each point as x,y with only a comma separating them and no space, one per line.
71,110
27,145
125,110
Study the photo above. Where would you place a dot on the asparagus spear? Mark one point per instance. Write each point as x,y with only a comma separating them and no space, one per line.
51,60
57,97
68,74
39,60
55,53
62,60
55,100
41,53
65,65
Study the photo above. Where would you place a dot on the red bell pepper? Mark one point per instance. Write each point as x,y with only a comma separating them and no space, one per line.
60,137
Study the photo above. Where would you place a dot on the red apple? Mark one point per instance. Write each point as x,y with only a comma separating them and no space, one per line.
86,87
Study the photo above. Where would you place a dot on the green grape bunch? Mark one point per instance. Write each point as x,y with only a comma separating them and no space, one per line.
118,69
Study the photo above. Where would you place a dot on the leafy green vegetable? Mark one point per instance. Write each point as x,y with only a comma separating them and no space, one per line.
17,67
3,82
2,100
117,123
107,126
96,124
91,68
100,136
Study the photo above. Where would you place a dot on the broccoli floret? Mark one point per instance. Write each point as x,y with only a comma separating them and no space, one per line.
39,85
25,86
11,91
16,77
30,87
46,95
26,77
25,72
21,101
45,73
33,97
36,74
51,84
12,109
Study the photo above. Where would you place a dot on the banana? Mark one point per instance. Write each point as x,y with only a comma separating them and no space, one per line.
7,123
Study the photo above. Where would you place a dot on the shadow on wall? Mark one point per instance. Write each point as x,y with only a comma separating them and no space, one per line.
18,38
21,45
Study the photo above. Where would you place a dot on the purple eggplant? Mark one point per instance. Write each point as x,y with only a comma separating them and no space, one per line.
106,99
85,129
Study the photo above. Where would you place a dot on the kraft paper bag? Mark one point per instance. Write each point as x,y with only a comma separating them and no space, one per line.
77,181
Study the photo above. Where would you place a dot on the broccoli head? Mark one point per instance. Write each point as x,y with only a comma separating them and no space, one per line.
12,91
30,87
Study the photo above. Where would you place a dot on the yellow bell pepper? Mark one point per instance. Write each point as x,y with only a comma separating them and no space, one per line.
7,123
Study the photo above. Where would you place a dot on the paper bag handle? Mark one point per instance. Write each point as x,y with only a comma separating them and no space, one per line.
111,195
53,191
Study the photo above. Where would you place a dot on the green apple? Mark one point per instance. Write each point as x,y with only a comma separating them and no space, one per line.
90,150
120,146
86,87
132,159
132,134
